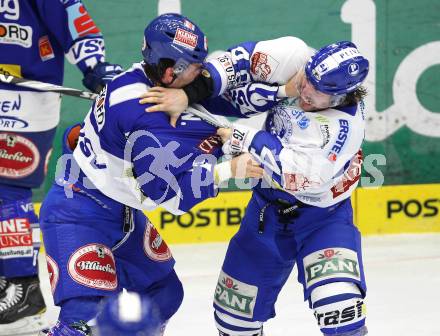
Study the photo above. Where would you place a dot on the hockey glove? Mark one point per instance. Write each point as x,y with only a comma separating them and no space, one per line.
95,79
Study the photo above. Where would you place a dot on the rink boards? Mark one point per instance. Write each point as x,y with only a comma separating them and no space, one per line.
389,209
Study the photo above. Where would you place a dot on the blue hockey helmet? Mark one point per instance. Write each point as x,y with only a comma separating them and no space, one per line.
175,37
337,69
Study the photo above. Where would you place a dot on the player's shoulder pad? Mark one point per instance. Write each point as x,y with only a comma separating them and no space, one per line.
128,86
278,60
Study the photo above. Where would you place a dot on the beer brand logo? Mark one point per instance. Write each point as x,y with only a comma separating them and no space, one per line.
54,274
331,263
93,266
154,246
19,157
235,296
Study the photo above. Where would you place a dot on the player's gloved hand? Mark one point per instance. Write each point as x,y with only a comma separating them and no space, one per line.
95,79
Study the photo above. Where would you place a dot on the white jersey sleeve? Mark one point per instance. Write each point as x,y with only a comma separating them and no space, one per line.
314,156
272,61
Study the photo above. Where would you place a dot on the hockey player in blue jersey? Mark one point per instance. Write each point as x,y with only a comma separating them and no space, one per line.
126,161
301,213
35,37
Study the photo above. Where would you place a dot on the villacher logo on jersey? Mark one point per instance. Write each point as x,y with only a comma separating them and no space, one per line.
154,246
93,266
54,274
19,154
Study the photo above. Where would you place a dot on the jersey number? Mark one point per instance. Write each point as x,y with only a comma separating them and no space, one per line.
87,149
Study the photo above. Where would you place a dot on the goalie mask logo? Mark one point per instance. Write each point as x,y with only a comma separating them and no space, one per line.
93,266
154,246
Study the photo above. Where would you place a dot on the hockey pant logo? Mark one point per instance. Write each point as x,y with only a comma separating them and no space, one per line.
94,266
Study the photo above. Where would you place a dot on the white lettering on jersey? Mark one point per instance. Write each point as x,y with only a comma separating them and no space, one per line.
11,9
84,49
13,33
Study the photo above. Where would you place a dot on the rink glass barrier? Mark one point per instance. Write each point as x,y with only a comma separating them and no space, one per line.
401,38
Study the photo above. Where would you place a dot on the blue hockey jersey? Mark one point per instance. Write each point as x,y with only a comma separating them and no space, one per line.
138,158
35,36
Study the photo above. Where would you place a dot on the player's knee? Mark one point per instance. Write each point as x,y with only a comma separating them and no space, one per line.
233,326
339,308
84,308
167,294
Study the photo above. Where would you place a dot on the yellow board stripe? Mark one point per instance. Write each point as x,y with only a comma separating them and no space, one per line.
390,209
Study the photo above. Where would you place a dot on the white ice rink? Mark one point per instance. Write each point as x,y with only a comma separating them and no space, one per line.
403,278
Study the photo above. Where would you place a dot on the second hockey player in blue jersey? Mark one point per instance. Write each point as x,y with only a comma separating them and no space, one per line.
97,239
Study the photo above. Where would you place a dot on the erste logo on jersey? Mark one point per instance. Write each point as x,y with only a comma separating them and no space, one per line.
154,246
10,9
263,66
80,22
19,157
185,39
336,149
54,273
94,266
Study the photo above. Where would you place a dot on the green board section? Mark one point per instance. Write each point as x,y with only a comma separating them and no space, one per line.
401,37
